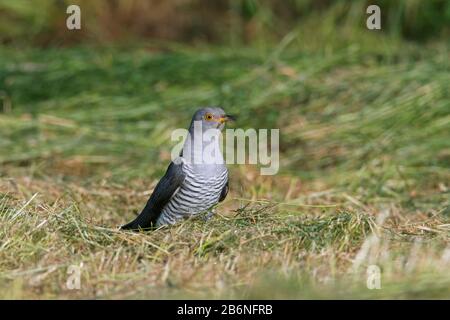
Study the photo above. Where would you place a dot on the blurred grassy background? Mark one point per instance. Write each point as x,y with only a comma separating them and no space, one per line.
42,22
85,123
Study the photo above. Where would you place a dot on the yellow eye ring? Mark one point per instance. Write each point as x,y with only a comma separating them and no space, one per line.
208,117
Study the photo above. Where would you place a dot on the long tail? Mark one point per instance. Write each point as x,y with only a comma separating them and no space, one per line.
144,221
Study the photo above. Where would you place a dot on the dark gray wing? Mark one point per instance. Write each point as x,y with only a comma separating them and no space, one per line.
224,192
164,190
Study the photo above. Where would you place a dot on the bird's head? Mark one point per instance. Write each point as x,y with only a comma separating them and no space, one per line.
211,118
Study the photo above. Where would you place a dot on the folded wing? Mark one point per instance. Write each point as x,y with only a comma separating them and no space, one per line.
163,192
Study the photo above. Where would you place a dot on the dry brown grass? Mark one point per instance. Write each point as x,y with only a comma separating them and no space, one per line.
232,255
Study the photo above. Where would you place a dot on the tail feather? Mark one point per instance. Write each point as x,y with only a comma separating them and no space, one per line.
129,226
139,224
146,220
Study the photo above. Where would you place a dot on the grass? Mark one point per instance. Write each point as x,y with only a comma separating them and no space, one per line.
237,22
85,136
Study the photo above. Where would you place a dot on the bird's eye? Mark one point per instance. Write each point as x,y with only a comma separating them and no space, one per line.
208,116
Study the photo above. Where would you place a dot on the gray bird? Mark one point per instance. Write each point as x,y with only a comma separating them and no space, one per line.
192,184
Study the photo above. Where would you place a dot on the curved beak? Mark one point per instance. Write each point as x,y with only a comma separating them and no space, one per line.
226,117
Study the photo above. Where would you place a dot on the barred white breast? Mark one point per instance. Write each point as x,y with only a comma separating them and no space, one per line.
198,193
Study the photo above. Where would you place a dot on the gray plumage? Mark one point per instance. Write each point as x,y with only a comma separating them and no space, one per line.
188,187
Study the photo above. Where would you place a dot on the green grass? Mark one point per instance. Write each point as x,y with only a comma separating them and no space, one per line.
365,154
222,21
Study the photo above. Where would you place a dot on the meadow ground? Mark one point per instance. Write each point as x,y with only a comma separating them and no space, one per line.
364,174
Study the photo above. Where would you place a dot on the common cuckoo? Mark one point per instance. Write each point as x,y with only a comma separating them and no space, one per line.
195,181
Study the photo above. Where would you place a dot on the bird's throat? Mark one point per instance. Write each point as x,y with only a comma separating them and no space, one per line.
201,150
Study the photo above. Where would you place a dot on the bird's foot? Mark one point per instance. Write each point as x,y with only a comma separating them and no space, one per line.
209,214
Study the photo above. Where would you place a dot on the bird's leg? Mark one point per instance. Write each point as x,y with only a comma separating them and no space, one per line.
210,213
